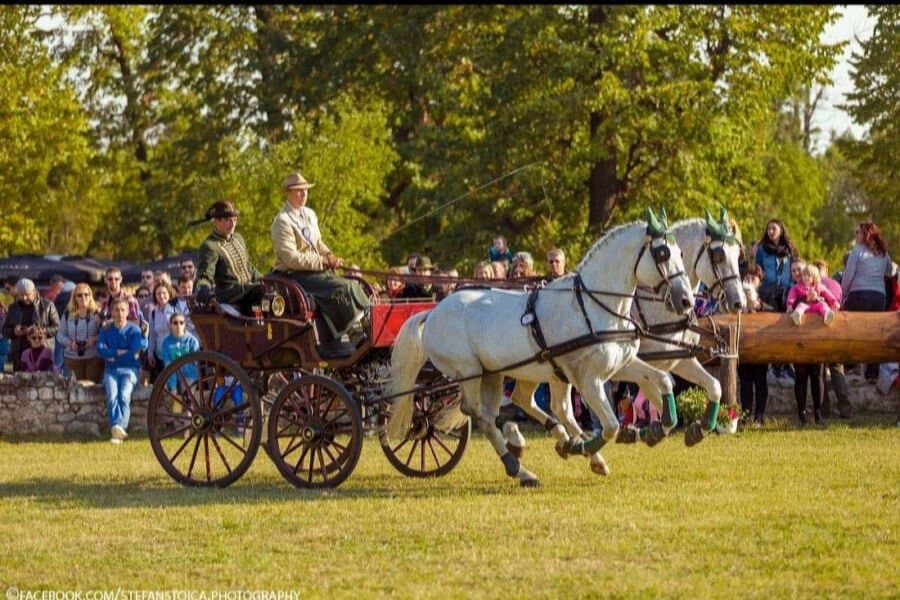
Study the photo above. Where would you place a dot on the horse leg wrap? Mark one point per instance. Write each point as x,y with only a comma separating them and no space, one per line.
711,415
653,433
693,435
511,463
670,413
593,445
627,435
550,423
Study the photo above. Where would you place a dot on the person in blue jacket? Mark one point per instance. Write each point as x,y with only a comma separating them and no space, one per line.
175,345
774,253
120,345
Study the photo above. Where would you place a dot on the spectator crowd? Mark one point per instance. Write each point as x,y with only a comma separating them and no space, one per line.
120,336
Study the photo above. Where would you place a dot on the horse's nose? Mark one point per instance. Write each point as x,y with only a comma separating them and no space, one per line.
686,303
737,305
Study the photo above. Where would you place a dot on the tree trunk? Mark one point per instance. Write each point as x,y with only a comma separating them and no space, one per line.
603,186
269,101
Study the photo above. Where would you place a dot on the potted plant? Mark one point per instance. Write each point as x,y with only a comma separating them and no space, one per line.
691,404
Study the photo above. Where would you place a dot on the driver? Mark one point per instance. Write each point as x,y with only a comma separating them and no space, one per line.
301,254
225,263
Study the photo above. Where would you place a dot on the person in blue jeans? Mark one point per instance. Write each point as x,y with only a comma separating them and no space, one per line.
120,345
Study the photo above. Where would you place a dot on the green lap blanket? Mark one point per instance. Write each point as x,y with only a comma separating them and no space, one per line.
338,300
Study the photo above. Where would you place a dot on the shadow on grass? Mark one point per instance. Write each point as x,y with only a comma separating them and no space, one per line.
152,492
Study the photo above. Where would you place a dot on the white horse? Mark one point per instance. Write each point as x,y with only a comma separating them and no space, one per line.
476,336
712,250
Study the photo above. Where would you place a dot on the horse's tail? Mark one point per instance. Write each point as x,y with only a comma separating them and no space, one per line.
407,359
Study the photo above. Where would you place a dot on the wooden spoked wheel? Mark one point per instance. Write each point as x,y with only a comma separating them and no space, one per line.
204,420
272,384
427,451
315,432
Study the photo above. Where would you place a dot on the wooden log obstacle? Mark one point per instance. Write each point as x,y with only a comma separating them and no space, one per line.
853,337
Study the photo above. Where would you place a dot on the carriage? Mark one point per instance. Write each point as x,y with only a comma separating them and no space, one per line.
261,380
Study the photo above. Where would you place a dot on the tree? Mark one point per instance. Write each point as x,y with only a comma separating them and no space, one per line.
876,78
346,154
45,156
545,123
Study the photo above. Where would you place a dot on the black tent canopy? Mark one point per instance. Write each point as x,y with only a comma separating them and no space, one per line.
40,269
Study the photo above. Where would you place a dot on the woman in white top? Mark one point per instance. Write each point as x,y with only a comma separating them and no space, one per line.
862,283
160,311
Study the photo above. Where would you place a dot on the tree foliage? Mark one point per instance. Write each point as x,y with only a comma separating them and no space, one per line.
432,128
46,170
876,78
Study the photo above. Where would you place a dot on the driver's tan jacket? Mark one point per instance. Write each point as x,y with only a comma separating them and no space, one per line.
297,241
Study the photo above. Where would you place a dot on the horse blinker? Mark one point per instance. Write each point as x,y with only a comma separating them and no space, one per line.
661,253
717,255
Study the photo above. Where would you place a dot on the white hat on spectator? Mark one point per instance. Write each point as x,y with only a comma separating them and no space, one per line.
24,286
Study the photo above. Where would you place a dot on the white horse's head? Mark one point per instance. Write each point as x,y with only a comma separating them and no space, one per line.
717,263
660,265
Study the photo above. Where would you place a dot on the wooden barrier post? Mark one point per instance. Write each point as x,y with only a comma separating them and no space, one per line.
728,368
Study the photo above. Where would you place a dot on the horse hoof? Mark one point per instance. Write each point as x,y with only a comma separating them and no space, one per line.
515,450
600,468
562,448
627,435
530,483
655,434
693,435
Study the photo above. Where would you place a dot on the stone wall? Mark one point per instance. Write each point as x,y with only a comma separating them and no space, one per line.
45,403
863,397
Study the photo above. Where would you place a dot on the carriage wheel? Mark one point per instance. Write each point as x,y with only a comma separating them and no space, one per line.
427,451
272,384
204,420
315,432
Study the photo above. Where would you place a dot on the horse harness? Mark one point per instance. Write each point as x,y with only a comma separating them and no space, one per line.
547,353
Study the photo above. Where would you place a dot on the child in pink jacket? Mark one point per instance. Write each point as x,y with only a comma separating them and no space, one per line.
810,295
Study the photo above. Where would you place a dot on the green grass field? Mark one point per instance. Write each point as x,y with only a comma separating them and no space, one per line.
768,513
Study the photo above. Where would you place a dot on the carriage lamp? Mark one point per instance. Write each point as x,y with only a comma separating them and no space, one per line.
274,303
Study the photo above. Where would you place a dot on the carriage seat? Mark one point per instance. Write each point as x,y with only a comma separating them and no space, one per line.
299,304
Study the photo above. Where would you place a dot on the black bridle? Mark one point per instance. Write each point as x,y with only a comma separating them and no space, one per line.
716,256
661,254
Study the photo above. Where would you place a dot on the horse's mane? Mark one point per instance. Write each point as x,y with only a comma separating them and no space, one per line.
684,224
605,239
